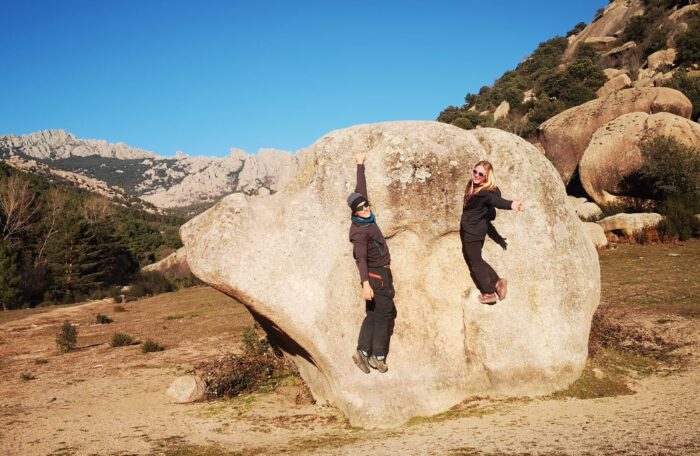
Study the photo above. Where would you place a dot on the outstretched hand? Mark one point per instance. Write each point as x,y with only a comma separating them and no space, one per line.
360,157
367,292
517,205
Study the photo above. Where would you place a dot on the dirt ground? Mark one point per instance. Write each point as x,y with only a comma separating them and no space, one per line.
100,400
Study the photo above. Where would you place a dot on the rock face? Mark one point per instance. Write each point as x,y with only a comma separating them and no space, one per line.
614,154
181,181
610,24
59,144
288,259
174,265
502,110
629,223
566,135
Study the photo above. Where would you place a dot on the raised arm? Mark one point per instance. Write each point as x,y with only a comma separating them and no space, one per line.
361,186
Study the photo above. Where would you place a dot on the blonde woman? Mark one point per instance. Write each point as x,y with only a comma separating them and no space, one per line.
481,197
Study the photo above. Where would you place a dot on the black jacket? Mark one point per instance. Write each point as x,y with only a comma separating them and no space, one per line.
478,211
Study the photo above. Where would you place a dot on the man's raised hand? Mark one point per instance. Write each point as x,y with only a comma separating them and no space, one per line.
360,157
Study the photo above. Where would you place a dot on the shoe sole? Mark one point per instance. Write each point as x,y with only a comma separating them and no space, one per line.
378,369
358,362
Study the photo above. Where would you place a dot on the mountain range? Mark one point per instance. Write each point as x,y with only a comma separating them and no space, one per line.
121,171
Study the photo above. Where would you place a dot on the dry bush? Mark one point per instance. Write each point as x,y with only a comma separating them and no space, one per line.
120,340
259,367
609,332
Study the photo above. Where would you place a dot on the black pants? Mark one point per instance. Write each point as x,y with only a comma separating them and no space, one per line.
378,323
482,273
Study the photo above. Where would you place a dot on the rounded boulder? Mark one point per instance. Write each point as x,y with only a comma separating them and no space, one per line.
287,257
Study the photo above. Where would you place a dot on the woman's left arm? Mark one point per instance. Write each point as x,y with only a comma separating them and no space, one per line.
502,203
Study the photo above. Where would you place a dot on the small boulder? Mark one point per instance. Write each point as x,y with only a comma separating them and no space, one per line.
619,82
665,57
186,389
502,110
596,234
585,210
630,223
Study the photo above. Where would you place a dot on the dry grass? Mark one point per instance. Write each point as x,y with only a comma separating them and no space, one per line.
638,281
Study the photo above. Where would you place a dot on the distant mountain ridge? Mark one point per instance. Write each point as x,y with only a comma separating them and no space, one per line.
178,182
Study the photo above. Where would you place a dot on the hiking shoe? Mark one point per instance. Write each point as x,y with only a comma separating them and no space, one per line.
361,361
379,364
488,298
501,289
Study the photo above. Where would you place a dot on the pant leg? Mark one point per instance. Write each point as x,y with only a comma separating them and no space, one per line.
376,327
482,273
364,340
384,312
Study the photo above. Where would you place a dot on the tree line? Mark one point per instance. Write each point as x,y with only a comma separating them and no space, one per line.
59,244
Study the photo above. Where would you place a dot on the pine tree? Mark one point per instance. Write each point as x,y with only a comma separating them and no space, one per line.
10,291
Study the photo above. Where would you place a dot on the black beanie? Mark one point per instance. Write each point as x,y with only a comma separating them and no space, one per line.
354,200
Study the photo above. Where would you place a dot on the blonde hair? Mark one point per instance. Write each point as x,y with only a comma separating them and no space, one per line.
488,185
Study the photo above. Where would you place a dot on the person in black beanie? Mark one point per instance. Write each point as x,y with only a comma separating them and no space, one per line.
372,257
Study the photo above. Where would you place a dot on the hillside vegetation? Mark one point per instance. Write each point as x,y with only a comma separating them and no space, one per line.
59,244
544,85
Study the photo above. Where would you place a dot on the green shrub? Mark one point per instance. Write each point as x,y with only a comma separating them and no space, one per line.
635,30
258,368
689,86
680,221
463,122
149,283
103,319
545,108
670,168
688,42
67,337
578,28
120,340
670,173
151,346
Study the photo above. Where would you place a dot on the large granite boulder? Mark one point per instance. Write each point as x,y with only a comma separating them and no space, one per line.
287,257
614,154
566,135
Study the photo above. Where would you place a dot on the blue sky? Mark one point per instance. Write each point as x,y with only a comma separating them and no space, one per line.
206,76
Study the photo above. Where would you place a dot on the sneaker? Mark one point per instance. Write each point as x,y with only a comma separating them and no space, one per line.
488,298
361,361
501,289
379,364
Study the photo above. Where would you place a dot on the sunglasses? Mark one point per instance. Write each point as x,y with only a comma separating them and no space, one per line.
478,173
362,206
